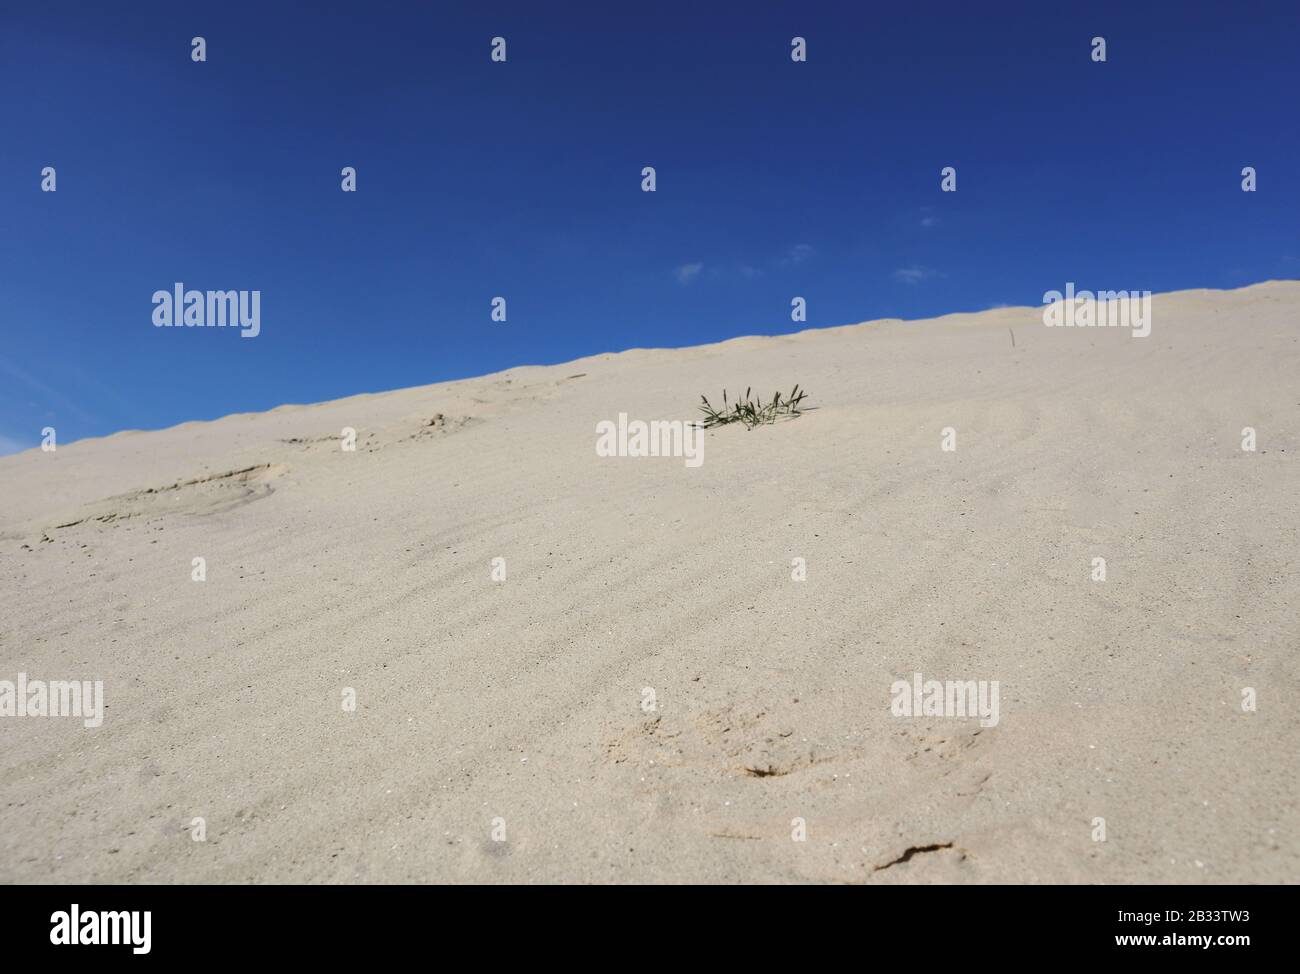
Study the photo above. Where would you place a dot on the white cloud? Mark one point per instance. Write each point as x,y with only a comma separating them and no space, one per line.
915,274
688,272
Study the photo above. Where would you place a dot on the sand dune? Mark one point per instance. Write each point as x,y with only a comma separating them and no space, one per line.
484,705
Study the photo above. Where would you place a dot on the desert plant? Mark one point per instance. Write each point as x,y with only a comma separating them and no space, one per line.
753,412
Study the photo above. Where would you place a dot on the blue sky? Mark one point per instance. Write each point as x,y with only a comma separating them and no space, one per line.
522,179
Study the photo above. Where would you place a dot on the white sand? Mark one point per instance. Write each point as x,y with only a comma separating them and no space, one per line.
522,699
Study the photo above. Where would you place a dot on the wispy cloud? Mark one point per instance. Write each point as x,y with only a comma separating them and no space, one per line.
727,268
926,218
688,272
10,445
915,274
51,396
798,254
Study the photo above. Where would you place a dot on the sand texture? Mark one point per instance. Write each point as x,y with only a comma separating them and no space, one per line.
516,707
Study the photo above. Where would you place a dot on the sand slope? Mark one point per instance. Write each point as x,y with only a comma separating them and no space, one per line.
522,700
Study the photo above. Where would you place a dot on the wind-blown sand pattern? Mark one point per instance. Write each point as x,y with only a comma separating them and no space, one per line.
521,700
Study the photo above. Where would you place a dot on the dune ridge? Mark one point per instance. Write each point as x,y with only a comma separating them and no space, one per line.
521,701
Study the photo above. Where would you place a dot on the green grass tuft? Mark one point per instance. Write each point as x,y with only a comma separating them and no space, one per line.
751,412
